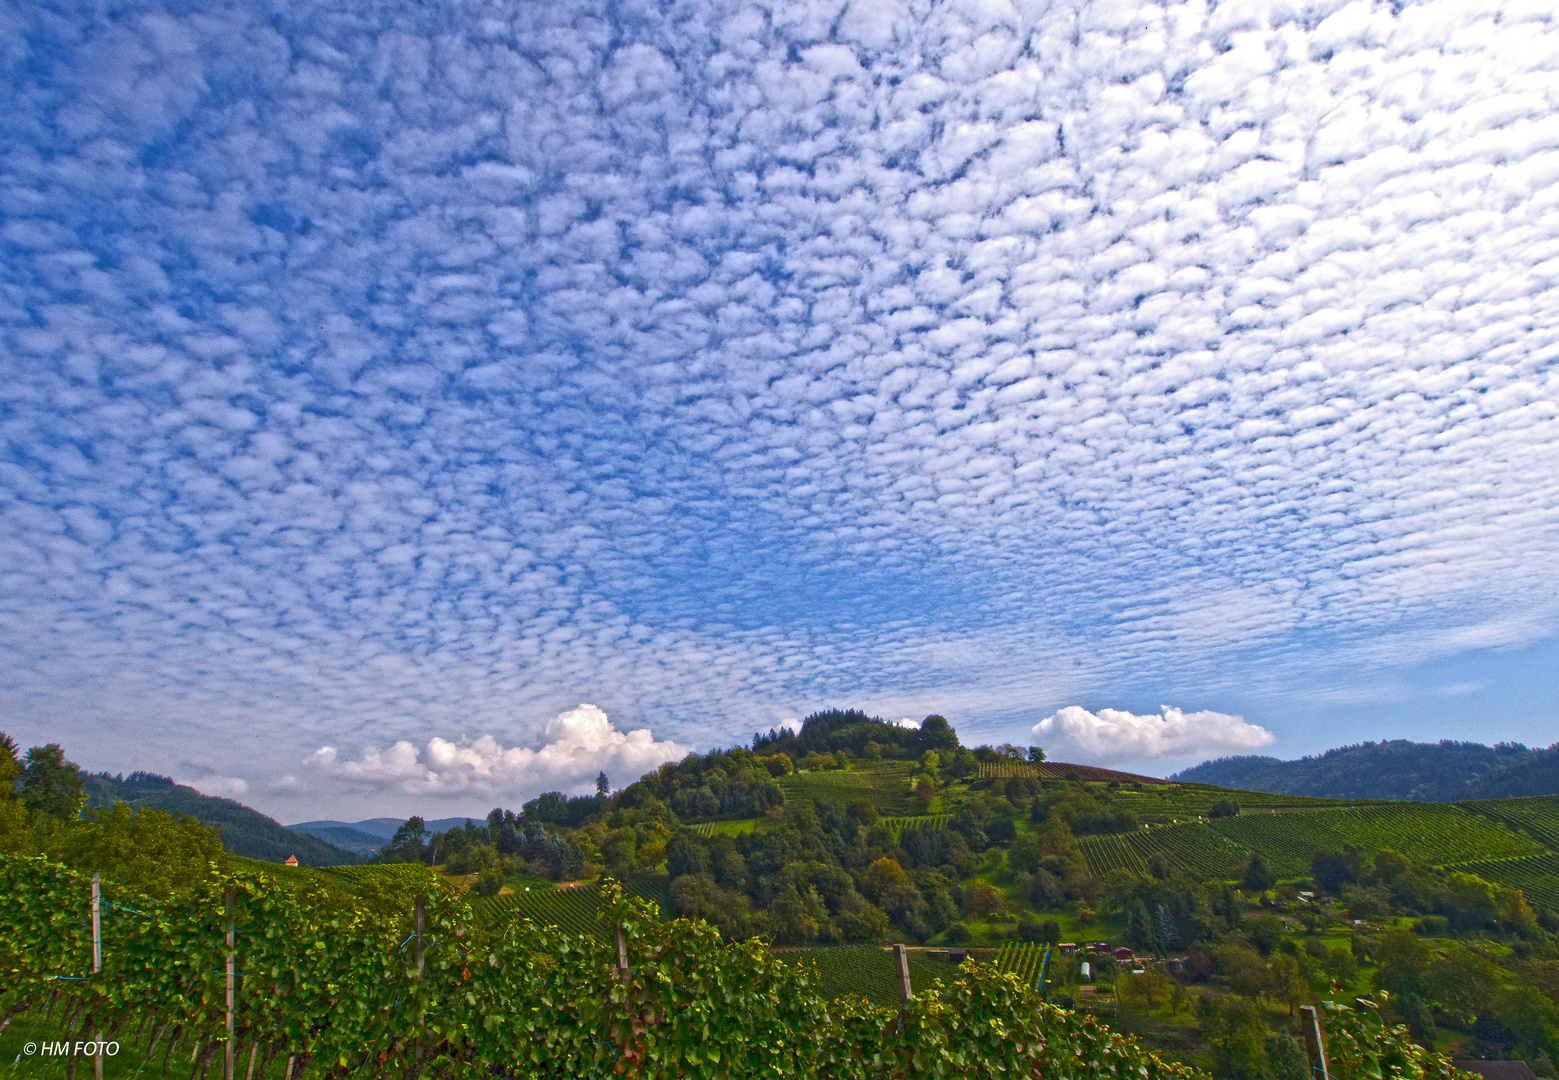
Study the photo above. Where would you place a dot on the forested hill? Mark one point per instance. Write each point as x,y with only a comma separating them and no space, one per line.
244,831
1426,772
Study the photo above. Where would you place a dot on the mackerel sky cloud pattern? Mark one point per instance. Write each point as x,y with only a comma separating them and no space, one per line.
382,374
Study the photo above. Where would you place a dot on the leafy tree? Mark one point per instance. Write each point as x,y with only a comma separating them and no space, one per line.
1146,989
1286,1059
51,785
409,844
1402,961
981,898
1025,853
10,768
925,791
1264,931
1224,808
1036,754
1418,1017
794,917
1236,1036
937,734
1390,865
1258,875
490,883
1334,869
882,875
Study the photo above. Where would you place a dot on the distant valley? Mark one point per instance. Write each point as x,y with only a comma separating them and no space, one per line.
365,838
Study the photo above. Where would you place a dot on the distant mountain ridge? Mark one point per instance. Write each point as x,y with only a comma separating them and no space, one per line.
343,836
1446,771
243,831
383,828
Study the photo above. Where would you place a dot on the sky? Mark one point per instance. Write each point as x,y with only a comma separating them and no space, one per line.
413,407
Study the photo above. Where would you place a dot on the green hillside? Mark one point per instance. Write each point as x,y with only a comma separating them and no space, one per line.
243,831
1446,771
1236,905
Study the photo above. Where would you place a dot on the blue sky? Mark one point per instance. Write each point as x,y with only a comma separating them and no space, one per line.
381,384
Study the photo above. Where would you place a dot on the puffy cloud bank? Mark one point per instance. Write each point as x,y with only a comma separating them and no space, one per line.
578,744
1074,733
383,360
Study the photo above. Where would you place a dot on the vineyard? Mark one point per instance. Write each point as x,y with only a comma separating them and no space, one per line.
1026,961
1424,832
1537,876
1192,847
574,910
1221,848
396,874
901,825
1185,801
1008,770
240,976
726,828
1538,816
1060,770
886,786
867,971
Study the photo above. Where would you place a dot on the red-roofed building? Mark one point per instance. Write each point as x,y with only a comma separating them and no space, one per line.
292,860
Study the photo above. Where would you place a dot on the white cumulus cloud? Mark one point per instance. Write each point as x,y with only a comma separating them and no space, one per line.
577,745
1116,735
223,787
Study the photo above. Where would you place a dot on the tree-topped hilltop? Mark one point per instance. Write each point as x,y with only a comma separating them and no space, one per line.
860,735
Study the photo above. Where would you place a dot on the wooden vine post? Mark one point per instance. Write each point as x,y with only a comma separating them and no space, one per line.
97,966
1315,1046
419,919
901,969
228,1048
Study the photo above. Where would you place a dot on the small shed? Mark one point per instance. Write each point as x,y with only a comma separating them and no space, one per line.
292,860
1067,948
1123,953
